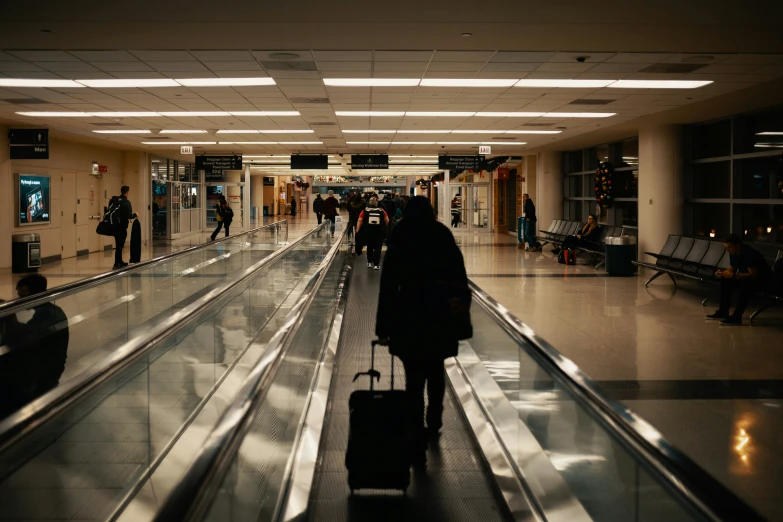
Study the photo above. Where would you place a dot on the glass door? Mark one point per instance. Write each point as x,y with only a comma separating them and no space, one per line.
469,206
479,206
235,197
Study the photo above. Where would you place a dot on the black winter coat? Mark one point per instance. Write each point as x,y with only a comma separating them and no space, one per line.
424,301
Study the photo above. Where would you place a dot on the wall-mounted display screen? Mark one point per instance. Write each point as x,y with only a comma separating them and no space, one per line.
34,199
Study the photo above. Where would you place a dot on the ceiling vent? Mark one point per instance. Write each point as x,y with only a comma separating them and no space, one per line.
25,101
673,68
156,138
590,102
321,123
289,66
504,138
309,100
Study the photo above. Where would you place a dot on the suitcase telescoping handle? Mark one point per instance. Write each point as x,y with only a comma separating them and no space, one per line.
374,374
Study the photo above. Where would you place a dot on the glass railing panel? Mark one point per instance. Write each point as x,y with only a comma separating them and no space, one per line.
253,487
570,460
95,453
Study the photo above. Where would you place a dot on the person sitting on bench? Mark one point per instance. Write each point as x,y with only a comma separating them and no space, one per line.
748,272
588,233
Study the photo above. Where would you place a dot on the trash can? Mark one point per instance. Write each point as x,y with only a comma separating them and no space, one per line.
25,253
620,251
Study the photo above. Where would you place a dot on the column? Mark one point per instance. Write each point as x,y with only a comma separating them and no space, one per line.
661,197
549,188
7,203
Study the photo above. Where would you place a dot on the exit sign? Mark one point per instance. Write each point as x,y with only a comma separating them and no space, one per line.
485,149
186,149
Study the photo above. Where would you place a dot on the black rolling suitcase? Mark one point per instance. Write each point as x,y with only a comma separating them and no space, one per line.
135,242
378,455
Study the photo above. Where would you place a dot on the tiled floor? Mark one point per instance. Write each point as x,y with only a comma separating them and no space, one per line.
714,392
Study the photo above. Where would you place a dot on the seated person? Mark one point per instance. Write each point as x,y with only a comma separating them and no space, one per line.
588,234
748,272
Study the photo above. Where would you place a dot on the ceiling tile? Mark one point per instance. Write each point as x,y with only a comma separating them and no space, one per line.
129,66
5,57
296,74
241,74
177,66
10,67
66,66
589,57
44,56
104,56
164,56
565,67
516,56
222,56
619,68
753,58
644,58
137,75
417,67
455,67
403,56
345,66
249,65
342,56
495,74
302,56
511,67
462,56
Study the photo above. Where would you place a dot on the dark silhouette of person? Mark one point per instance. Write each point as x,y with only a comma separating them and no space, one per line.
33,353
423,312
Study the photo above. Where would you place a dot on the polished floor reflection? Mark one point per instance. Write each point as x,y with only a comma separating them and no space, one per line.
714,392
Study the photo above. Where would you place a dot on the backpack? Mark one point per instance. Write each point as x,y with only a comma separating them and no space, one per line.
226,213
113,214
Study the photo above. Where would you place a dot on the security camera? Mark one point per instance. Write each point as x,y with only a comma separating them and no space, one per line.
582,59
442,146
340,154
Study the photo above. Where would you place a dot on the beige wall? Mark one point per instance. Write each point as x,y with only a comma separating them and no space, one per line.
548,188
69,169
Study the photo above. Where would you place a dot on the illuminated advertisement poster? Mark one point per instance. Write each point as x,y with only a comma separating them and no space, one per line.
34,200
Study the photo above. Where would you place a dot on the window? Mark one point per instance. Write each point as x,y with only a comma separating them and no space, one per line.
758,178
710,219
749,132
761,225
626,213
712,140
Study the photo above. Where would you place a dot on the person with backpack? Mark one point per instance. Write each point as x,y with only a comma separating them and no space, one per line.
373,222
224,215
318,207
119,214
330,209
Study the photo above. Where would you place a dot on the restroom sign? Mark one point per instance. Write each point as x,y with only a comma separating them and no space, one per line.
485,149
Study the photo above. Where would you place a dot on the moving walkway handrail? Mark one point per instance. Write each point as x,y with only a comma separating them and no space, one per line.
701,490
193,495
23,422
58,292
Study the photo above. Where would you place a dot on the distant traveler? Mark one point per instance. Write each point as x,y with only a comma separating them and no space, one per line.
224,215
588,233
330,209
455,211
355,206
37,352
122,206
394,221
398,201
293,207
318,206
388,205
423,312
529,212
372,225
748,272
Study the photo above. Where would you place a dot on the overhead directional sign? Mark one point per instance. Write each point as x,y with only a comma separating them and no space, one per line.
460,162
213,166
369,161
29,143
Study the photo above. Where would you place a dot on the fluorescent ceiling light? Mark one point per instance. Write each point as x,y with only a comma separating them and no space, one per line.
563,83
510,114
532,132
659,84
439,114
122,131
300,143
504,143
183,131
465,82
265,113
578,114
59,114
414,143
459,143
150,82
769,133
369,113
276,131
369,132
178,143
224,82
460,131
423,131
24,82
368,142
185,114
247,143
138,114
371,82
769,145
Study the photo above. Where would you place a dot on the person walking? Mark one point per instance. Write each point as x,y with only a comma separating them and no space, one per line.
374,221
748,272
125,211
224,215
456,203
330,209
318,207
411,292
529,213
